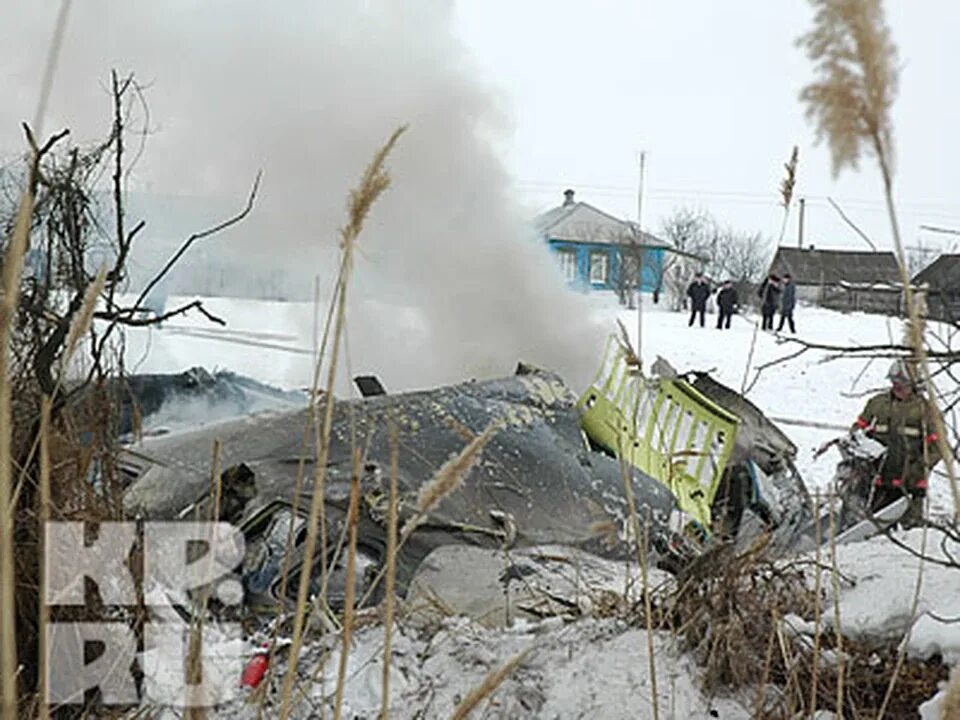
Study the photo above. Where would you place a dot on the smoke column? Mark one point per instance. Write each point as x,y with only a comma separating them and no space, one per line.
450,282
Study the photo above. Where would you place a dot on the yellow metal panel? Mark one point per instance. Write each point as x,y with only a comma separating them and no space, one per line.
660,430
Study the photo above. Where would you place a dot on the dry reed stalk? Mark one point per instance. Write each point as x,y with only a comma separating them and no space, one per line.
374,182
648,618
43,711
311,423
790,666
10,288
12,269
353,520
818,589
761,700
851,101
447,479
753,347
79,326
786,188
902,650
389,601
642,560
490,683
835,583
195,646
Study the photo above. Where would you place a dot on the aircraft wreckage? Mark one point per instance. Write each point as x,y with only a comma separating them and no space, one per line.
702,462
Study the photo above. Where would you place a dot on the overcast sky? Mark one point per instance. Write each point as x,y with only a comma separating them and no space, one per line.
508,104
567,92
709,89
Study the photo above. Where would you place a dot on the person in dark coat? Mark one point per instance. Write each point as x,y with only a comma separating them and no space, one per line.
769,294
727,304
698,292
788,301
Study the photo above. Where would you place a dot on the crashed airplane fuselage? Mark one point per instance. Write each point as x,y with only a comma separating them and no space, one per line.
537,481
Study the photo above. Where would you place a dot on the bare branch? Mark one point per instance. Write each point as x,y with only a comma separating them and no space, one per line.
199,236
852,224
122,318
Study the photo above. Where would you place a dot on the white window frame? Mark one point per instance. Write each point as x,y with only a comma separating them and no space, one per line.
599,261
568,263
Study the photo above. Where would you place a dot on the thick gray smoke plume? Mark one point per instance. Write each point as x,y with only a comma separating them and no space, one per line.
450,282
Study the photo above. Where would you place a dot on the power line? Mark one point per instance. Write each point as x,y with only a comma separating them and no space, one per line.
623,190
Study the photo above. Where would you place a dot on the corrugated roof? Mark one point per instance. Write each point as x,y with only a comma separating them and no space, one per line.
831,267
943,273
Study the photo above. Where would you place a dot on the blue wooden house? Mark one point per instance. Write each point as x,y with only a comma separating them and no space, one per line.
591,246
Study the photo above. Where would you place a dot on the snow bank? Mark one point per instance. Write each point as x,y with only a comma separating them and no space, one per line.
590,668
879,581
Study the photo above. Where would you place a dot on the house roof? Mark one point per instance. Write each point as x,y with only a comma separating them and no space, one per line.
809,266
943,273
582,222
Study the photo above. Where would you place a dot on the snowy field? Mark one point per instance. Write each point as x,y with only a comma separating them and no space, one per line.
603,661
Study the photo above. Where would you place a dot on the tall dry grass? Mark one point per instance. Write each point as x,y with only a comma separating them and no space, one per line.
641,538
43,711
786,189
12,270
346,634
389,600
374,183
850,102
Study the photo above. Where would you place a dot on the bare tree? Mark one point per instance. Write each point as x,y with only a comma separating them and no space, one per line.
743,257
629,276
692,232
701,244
78,246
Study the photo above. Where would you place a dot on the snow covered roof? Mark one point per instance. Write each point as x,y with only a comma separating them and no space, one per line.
809,266
577,221
943,273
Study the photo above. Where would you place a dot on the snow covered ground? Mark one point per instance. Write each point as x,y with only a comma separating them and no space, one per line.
597,668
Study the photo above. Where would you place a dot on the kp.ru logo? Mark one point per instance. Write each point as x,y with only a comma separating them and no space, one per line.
178,557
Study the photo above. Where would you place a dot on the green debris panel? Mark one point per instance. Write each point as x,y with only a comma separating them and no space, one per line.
665,428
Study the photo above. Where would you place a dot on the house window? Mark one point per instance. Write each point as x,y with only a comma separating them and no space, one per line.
568,264
599,266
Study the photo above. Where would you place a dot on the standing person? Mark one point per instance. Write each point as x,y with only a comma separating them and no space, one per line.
788,301
900,419
769,294
727,304
698,292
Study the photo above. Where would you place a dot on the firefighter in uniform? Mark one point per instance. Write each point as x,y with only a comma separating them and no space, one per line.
900,419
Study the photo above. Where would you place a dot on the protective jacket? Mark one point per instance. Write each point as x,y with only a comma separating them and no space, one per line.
905,427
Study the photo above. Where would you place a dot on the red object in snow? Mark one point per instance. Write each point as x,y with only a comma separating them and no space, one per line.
254,671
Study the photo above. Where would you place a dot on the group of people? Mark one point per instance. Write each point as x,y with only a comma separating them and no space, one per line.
774,293
777,294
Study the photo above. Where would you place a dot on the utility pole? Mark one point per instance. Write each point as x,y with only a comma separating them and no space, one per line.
639,250
803,206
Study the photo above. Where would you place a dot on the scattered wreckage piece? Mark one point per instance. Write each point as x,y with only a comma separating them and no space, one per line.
716,451
163,402
537,482
524,584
